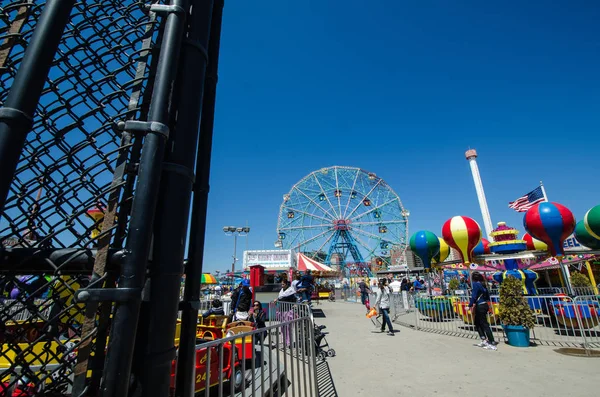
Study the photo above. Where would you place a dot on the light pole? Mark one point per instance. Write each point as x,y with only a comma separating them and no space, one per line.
235,231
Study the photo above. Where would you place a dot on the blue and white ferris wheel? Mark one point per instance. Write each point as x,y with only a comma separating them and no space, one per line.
344,216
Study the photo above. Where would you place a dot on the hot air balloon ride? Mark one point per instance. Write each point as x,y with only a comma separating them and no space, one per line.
482,248
551,223
463,234
506,241
443,253
591,221
533,244
427,247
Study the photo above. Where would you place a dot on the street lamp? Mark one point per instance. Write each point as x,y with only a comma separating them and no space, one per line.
235,231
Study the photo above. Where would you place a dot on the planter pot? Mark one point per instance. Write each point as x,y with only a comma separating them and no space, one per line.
517,335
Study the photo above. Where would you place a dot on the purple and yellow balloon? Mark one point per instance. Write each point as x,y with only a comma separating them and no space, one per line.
426,245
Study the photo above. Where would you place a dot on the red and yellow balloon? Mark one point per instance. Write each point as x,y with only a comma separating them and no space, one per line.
463,234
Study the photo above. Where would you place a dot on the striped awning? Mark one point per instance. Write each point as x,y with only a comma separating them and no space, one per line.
305,263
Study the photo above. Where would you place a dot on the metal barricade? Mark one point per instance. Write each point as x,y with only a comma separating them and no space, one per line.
277,360
286,311
561,321
587,310
584,291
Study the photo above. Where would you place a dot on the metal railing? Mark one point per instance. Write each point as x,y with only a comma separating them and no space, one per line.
279,359
560,320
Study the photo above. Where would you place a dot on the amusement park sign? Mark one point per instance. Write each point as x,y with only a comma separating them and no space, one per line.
571,244
270,259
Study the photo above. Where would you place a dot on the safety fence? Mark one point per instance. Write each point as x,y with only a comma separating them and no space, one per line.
560,320
104,172
279,359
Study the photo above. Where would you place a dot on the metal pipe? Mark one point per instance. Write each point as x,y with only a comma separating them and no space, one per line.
189,316
116,380
69,260
154,367
233,261
16,117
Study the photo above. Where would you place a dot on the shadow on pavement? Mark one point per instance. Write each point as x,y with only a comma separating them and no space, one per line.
318,313
325,380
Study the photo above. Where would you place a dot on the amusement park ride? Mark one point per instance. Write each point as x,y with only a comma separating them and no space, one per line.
345,217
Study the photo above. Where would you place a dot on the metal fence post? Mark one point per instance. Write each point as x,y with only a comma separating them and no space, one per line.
126,313
189,318
173,209
16,117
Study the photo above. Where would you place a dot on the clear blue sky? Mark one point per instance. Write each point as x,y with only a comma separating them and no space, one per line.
402,89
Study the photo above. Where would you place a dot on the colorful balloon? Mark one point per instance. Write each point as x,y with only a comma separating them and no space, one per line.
591,221
426,245
584,237
551,223
533,244
482,248
444,252
463,234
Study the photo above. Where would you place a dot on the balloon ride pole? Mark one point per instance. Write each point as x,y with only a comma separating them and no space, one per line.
471,156
543,191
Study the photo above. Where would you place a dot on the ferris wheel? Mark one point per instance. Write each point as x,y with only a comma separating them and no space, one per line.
344,216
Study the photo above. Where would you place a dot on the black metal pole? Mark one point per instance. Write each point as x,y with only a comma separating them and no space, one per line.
16,116
173,211
185,368
115,382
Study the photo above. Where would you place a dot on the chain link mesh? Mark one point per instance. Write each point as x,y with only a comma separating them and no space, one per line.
76,160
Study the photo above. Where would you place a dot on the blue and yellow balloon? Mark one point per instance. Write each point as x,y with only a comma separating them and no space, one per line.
444,252
426,245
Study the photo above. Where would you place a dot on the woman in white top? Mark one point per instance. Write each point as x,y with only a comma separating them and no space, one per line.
382,303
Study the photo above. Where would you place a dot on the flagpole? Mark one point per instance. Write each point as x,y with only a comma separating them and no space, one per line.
544,191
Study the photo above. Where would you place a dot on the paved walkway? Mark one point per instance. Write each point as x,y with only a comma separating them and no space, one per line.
420,363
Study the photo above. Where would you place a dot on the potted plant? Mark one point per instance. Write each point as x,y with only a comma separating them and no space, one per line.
515,314
579,280
453,285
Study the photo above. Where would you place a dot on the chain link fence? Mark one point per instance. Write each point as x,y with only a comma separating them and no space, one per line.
69,202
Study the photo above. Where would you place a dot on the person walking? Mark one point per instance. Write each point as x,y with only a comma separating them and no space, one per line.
479,308
364,292
382,303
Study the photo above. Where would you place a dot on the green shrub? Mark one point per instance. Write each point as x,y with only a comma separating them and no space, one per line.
580,280
514,309
453,284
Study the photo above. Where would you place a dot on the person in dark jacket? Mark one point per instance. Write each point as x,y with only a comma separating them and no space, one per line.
364,292
241,300
479,307
306,286
216,309
258,318
405,286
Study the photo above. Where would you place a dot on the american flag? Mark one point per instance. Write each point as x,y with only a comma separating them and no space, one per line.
522,204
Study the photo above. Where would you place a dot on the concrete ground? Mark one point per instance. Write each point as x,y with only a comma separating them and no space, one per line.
427,364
